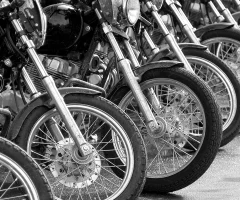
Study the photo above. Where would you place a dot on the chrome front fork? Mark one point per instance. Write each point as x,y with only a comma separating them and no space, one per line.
219,17
168,36
224,11
150,94
237,3
51,123
53,92
185,23
153,47
129,76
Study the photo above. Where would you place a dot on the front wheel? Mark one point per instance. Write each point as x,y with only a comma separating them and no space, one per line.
98,177
189,111
21,177
224,85
225,44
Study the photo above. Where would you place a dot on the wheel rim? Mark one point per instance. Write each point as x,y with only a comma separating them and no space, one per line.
15,184
93,180
161,152
226,49
220,85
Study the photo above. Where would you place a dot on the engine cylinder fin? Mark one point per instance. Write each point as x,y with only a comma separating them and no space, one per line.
33,73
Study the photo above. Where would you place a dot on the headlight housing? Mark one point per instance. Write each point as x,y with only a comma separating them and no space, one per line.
34,21
121,13
131,10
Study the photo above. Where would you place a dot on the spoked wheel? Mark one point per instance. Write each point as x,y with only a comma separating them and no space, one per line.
21,178
224,85
225,45
189,111
102,175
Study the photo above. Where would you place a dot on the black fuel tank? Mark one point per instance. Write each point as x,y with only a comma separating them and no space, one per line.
64,26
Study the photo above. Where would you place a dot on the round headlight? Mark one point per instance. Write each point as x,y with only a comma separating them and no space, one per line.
132,11
34,21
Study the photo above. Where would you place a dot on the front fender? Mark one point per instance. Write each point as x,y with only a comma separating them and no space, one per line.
139,72
192,46
236,16
219,26
157,64
171,55
43,100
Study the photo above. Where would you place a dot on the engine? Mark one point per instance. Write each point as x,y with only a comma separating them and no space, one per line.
70,33
61,70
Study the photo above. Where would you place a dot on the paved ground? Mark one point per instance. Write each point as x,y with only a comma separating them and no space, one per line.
220,182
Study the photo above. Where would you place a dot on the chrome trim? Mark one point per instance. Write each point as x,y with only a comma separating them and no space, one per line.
220,18
169,37
43,21
225,12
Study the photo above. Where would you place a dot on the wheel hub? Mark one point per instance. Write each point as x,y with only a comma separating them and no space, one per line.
159,132
178,128
73,170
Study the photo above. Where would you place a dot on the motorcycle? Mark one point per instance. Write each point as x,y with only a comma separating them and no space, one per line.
20,174
209,68
74,134
225,43
162,91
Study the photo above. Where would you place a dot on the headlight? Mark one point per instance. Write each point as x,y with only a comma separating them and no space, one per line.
132,11
34,21
120,13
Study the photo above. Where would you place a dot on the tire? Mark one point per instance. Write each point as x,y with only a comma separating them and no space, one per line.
210,140
22,167
227,82
79,184
227,37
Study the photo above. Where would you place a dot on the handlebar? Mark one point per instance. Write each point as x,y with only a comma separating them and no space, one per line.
14,4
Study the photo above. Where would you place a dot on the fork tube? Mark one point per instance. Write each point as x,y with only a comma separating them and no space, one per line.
188,30
225,12
186,20
237,2
51,123
150,94
169,37
220,18
154,48
130,77
131,54
52,90
133,84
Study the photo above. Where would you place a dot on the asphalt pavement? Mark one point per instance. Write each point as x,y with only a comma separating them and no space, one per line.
220,182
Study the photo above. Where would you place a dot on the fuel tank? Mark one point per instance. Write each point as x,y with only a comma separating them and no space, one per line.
64,26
